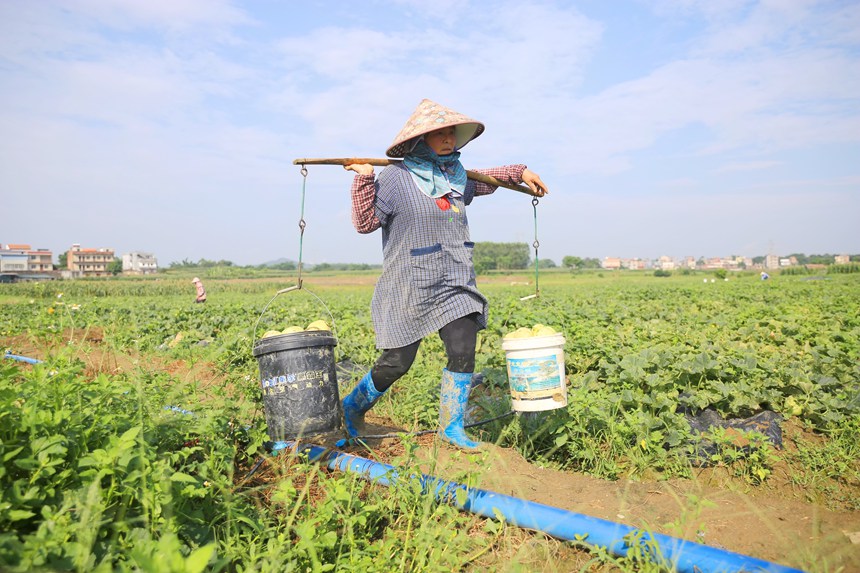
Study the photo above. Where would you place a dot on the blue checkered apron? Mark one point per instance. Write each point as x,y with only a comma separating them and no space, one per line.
428,278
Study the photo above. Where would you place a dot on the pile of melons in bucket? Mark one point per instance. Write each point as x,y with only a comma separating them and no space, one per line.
315,325
536,330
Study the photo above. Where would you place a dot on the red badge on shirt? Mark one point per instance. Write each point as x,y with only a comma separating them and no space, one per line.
443,203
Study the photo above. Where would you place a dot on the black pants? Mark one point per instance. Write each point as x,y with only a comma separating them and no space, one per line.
459,336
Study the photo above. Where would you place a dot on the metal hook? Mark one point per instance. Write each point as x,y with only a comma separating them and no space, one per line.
535,244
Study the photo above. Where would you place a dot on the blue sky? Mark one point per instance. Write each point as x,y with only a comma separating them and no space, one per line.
662,127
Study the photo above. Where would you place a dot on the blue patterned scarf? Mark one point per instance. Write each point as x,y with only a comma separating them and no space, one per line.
436,175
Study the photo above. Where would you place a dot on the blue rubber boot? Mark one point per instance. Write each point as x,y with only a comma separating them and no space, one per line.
355,406
452,409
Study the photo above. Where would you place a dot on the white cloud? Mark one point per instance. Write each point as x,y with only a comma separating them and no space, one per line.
766,103
711,10
747,166
175,15
486,64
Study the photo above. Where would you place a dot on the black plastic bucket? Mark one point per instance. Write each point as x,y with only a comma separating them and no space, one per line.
299,384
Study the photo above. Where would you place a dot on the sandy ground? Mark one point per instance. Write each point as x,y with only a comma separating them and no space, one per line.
770,522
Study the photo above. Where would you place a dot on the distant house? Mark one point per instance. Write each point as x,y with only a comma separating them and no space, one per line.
666,263
89,262
842,259
40,260
139,263
713,263
23,258
13,261
635,264
611,263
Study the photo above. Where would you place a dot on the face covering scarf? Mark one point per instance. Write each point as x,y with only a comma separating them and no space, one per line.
435,175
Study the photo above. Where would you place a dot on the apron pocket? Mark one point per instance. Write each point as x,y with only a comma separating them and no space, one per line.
461,271
428,270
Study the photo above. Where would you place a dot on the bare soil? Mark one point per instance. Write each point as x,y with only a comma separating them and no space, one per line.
775,521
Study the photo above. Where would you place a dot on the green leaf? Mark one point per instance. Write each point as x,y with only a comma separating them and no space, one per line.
461,496
130,435
199,558
19,514
185,478
11,454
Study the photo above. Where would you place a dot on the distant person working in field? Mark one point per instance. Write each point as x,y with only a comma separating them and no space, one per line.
428,278
201,292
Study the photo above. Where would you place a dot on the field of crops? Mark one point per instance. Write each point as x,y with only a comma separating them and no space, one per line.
129,448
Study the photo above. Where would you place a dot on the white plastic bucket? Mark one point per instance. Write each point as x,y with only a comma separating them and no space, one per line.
536,372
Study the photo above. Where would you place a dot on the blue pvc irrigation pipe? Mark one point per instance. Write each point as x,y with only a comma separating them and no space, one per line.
22,358
685,556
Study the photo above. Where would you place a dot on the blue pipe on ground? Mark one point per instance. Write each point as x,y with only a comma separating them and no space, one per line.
21,358
685,556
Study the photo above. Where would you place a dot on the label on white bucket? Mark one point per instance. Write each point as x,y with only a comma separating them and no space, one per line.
538,376
536,372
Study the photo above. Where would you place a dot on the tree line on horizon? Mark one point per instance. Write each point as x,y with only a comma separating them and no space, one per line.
486,256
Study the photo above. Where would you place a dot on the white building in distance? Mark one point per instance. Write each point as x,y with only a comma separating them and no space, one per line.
139,263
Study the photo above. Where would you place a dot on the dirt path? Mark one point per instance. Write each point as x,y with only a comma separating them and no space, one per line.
769,523
771,528
772,522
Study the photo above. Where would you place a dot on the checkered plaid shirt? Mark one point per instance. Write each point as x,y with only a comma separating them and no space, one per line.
428,278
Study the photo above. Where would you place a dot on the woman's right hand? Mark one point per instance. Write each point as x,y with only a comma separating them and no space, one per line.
360,168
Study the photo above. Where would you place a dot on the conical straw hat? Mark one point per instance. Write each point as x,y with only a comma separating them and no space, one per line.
430,116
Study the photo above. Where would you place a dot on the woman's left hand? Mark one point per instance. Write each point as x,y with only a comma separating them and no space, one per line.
535,183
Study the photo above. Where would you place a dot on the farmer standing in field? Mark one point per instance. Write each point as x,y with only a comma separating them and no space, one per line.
201,292
428,279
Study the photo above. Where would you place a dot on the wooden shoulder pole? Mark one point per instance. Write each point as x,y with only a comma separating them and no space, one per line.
381,162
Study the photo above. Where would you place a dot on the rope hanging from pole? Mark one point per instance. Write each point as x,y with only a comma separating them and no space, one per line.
298,285
302,223
536,244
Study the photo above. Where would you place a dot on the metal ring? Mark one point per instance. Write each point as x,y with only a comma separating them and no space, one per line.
535,202
302,224
536,244
304,171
